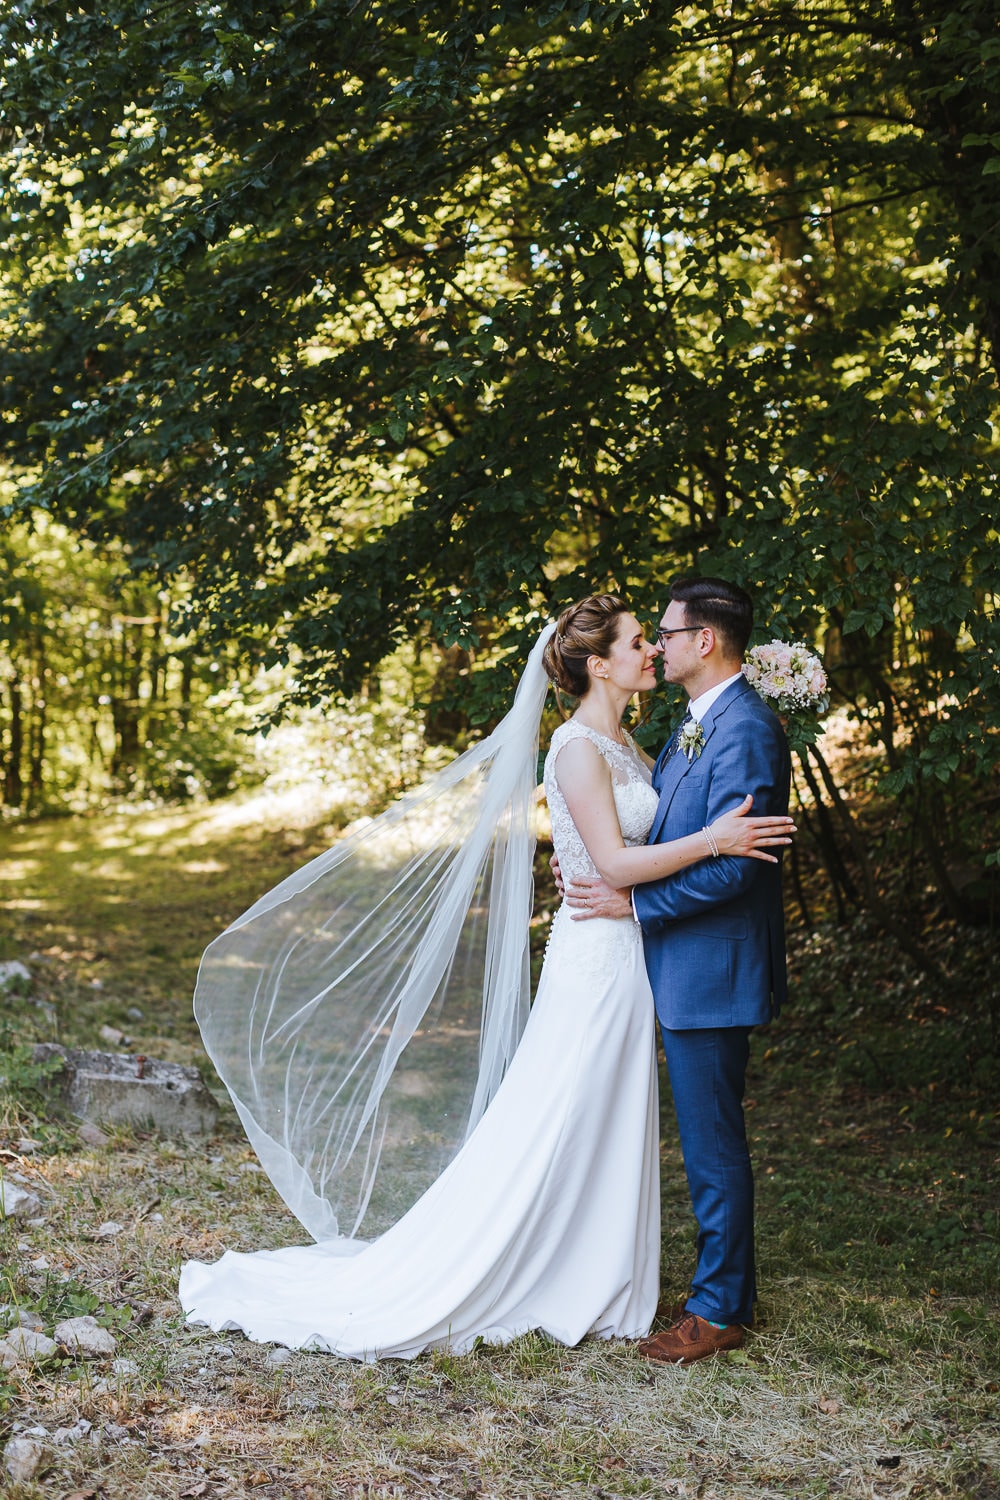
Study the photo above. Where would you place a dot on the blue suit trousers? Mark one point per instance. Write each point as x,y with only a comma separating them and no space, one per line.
708,1078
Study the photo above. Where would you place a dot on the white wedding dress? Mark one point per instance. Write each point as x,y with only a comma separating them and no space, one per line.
548,1217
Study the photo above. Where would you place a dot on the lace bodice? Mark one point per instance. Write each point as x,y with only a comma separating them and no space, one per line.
635,799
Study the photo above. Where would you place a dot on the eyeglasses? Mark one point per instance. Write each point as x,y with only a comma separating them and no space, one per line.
663,635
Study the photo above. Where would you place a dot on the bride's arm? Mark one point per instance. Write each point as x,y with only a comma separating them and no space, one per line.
585,782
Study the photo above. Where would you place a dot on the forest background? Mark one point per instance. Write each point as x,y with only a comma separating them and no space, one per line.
344,341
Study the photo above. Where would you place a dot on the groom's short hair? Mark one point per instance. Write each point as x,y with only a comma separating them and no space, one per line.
724,607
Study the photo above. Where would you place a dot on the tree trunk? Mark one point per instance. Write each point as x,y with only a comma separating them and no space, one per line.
825,836
36,736
12,785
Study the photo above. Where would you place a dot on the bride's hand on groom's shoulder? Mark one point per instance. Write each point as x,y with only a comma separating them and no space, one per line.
592,897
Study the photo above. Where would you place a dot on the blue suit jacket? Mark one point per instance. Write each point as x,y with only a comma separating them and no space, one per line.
714,933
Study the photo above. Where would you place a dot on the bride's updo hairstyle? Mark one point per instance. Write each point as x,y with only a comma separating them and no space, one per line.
586,629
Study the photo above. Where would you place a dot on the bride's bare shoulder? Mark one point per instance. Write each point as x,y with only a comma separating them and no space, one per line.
575,759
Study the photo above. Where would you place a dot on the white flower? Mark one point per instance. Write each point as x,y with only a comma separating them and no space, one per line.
691,739
790,678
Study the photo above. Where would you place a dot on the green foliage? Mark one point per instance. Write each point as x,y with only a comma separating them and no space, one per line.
97,696
22,1079
56,1298
185,760
353,331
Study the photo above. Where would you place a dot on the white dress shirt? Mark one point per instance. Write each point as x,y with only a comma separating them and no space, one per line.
698,707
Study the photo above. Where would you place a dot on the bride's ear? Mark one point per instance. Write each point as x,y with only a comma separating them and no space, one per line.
596,666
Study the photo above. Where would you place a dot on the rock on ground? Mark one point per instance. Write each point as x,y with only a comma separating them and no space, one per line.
67,1436
28,1345
16,1202
85,1336
20,1317
22,1459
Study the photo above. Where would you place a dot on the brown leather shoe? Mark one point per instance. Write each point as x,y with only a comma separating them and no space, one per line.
688,1339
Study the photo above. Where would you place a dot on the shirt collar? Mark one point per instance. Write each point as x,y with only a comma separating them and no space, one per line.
698,707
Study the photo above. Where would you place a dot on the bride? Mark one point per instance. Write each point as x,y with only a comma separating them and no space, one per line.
369,1018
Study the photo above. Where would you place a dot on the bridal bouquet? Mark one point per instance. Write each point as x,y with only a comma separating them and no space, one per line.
791,679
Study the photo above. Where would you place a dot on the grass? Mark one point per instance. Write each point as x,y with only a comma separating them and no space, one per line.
120,907
875,1367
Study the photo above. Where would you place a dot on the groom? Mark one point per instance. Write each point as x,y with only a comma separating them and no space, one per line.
713,936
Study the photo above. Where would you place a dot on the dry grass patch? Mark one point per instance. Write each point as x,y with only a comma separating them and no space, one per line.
828,1400
875,1368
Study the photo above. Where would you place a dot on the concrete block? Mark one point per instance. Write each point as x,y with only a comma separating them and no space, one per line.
121,1089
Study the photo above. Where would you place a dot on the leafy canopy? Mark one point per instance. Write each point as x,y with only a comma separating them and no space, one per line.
381,320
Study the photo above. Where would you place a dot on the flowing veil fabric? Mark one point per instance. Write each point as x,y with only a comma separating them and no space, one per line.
362,1014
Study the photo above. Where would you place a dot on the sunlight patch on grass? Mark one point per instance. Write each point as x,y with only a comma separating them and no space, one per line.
295,807
89,897
107,869
19,869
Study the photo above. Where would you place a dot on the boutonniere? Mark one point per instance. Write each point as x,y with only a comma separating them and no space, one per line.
691,740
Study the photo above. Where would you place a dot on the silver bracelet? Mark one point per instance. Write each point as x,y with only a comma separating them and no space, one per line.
711,841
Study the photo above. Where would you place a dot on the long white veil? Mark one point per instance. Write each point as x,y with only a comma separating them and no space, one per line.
362,1014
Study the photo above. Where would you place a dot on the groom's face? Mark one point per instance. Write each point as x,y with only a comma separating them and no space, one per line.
682,657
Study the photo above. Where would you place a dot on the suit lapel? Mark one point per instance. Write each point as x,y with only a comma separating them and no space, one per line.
664,757
671,777
672,770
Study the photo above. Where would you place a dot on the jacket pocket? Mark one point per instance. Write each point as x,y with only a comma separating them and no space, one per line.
717,927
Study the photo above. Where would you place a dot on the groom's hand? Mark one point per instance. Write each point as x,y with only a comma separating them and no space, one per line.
593,898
